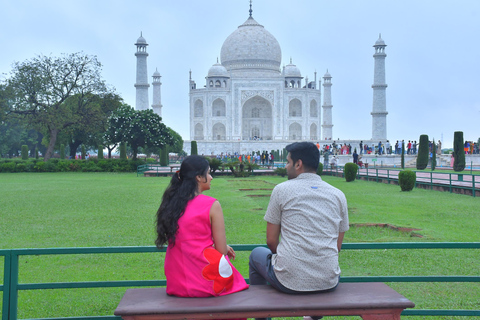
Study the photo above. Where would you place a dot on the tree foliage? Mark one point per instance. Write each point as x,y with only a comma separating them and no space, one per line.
422,158
138,128
407,179
193,145
458,152
41,87
434,155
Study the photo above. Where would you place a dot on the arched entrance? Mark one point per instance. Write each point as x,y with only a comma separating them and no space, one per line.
257,120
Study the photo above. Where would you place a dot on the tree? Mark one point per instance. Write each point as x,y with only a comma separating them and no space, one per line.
458,152
91,127
434,155
164,156
422,158
42,85
138,128
193,145
403,156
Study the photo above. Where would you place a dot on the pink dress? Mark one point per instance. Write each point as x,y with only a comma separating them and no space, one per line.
192,266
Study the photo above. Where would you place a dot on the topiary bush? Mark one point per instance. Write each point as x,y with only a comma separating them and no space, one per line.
100,152
164,156
62,151
84,153
407,179
320,169
24,152
194,150
422,158
458,152
123,151
350,171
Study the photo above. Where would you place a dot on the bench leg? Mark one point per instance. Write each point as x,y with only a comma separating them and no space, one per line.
394,315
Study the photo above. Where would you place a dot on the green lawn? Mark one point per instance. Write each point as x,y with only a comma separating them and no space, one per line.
99,209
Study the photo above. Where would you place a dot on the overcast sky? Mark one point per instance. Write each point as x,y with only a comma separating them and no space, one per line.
432,64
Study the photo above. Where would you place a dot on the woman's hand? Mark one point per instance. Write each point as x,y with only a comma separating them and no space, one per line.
230,253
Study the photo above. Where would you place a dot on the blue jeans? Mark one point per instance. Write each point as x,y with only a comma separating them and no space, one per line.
261,272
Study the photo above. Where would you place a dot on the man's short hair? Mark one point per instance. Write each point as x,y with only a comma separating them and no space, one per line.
305,151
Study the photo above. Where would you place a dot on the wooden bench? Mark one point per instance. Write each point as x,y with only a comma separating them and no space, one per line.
371,301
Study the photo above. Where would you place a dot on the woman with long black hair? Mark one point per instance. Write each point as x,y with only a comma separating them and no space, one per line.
197,262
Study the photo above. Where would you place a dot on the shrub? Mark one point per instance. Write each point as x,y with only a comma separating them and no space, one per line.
320,169
39,166
214,164
164,156
281,172
36,153
350,171
407,179
194,149
434,155
20,167
63,166
123,151
100,152
62,151
84,153
7,167
422,158
24,152
106,165
403,156
458,152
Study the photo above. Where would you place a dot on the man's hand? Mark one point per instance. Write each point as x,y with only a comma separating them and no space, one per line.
273,236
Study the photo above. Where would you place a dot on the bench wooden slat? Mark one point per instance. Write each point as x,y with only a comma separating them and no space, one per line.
372,301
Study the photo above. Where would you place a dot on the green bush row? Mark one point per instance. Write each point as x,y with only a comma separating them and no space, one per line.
57,165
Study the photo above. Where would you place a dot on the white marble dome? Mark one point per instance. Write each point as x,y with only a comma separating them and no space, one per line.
291,70
251,47
141,40
217,70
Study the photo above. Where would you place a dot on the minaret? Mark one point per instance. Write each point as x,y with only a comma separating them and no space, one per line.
379,110
141,85
327,107
157,93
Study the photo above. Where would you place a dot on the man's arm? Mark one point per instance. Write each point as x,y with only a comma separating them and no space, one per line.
273,236
340,240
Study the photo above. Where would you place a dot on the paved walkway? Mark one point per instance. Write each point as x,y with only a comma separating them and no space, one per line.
446,179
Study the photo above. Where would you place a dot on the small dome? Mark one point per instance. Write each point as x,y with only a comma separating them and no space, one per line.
141,40
291,70
218,70
156,73
380,41
327,75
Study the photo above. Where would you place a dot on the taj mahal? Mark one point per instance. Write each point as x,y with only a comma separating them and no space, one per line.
250,103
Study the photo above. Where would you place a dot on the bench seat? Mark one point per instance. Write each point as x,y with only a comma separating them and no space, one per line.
371,301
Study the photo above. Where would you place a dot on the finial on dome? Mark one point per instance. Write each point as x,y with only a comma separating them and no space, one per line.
290,60
217,59
250,8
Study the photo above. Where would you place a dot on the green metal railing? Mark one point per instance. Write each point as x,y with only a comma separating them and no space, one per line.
441,179
11,287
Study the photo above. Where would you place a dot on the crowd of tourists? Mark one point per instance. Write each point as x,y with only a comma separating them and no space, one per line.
264,158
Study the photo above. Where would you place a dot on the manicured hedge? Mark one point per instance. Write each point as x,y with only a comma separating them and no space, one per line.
407,179
422,158
350,171
320,169
57,165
